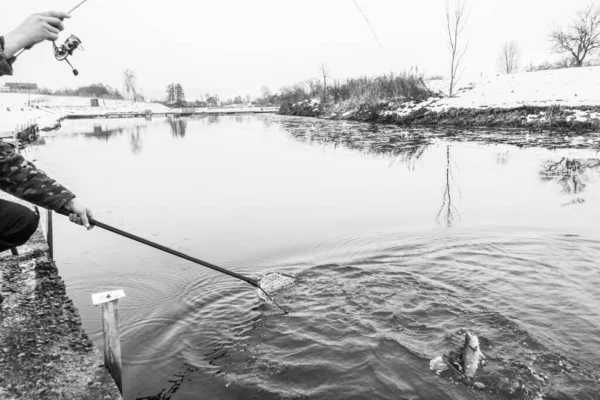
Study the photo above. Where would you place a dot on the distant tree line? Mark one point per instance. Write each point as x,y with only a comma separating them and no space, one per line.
578,42
175,95
95,90
408,85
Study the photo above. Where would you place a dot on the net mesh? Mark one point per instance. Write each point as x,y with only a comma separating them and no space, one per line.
273,282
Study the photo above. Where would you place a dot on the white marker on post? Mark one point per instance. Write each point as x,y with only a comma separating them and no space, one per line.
110,331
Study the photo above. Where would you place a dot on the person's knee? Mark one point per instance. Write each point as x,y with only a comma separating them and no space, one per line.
29,225
19,225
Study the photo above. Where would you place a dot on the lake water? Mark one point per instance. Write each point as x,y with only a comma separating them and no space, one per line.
401,241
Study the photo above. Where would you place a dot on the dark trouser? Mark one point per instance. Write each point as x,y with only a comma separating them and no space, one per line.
17,224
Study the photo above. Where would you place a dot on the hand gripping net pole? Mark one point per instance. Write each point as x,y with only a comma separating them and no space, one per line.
269,283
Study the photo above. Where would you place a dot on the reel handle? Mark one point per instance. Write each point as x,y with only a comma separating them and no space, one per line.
75,72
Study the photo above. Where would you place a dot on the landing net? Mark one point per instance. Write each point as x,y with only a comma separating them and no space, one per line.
271,283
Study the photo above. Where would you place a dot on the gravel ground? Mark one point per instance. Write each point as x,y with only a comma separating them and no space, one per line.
44,350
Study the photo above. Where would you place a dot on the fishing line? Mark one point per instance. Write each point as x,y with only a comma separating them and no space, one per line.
366,19
76,7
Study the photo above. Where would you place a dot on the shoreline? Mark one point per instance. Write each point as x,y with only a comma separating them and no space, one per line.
565,101
554,118
45,351
46,111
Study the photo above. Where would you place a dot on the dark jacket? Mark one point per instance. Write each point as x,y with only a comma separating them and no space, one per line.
20,177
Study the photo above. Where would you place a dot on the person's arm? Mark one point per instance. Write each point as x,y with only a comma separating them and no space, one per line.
18,176
35,29
22,179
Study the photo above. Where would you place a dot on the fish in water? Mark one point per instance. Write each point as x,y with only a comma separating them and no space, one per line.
472,355
467,359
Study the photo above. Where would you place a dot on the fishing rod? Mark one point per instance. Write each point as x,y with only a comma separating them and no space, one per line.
368,23
66,49
272,281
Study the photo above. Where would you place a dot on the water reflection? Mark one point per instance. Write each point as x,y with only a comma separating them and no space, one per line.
502,157
136,138
379,138
571,174
178,127
136,133
103,133
406,146
331,216
448,212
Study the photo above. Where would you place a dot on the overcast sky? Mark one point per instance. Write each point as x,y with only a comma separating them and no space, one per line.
233,47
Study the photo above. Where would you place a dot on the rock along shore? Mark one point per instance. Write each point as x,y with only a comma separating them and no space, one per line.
45,352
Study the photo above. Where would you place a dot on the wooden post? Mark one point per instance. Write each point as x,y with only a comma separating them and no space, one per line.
110,330
50,235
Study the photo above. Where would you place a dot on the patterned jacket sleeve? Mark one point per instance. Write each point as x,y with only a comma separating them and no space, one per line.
5,64
22,179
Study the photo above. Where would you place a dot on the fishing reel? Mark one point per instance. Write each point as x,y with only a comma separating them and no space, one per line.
65,50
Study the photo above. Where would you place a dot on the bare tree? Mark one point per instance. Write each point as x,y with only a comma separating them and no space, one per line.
581,38
170,93
265,92
508,62
325,73
130,82
456,20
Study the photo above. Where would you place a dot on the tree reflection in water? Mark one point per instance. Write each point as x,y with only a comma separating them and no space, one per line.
136,135
403,145
572,174
178,127
102,133
447,211
136,138
502,157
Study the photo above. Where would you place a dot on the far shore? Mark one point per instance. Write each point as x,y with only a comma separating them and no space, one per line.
18,110
566,100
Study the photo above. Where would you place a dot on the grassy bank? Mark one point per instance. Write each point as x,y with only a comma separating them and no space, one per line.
338,96
563,100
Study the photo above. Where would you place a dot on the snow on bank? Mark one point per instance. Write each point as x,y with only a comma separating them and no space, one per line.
17,109
572,87
567,91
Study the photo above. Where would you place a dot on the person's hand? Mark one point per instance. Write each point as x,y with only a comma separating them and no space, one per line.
79,213
35,29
